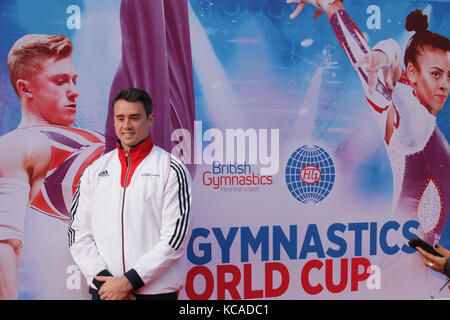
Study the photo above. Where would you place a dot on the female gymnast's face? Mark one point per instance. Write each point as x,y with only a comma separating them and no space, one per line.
431,80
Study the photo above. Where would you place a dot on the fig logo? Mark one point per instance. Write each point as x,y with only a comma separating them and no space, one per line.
310,174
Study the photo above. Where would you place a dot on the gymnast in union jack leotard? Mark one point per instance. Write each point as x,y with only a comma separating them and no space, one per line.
44,157
72,150
405,104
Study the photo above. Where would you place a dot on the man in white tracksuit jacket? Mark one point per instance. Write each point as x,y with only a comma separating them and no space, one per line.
131,210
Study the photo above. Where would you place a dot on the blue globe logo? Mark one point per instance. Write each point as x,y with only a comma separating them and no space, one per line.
310,174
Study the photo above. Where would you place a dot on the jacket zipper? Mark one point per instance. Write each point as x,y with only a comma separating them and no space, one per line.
128,163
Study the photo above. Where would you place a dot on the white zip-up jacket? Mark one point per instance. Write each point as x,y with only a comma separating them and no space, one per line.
130,216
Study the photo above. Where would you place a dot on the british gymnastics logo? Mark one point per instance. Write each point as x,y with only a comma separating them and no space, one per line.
310,174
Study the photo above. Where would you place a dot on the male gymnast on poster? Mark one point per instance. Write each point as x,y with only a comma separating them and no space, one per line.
44,157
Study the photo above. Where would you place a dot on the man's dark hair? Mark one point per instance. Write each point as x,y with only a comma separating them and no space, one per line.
134,95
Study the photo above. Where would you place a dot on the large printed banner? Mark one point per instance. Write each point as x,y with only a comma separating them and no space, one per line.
310,170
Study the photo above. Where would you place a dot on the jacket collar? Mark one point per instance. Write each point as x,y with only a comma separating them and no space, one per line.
129,161
138,152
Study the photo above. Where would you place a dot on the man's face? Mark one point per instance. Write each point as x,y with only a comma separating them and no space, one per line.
131,123
54,93
432,80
